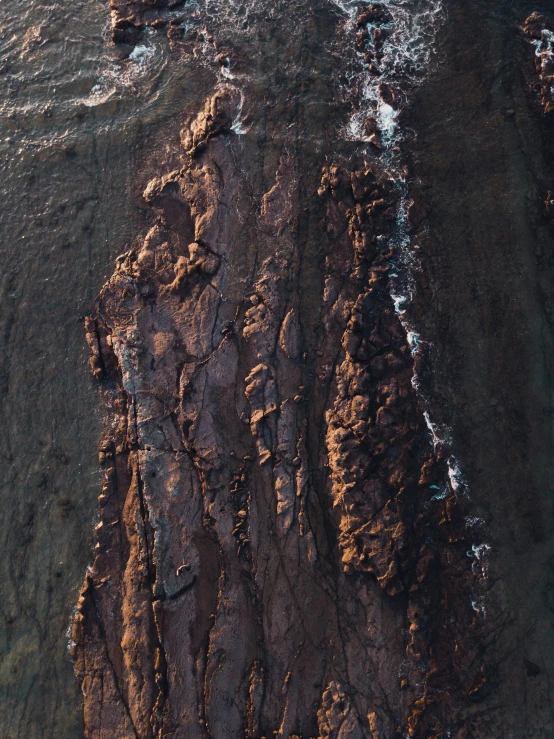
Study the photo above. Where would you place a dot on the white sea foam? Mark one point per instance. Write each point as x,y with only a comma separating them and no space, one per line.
238,128
479,553
127,74
457,482
544,47
100,93
474,521
441,494
238,123
433,430
480,550
399,303
225,70
69,631
407,52
387,117
141,54
413,341
478,606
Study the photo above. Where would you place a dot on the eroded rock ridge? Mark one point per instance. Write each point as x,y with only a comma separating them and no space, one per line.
281,549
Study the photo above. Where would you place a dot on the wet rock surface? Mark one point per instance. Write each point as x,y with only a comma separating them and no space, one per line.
267,454
323,362
540,33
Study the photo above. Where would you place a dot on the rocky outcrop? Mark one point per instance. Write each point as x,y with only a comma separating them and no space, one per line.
372,26
323,361
284,546
129,18
540,32
208,496
184,546
399,515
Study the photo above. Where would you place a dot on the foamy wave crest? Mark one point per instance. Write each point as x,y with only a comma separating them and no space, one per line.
143,64
411,42
544,47
406,55
234,14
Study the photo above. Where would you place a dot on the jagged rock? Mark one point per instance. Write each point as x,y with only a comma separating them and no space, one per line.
242,567
282,527
289,336
217,117
535,25
337,717
129,18
541,32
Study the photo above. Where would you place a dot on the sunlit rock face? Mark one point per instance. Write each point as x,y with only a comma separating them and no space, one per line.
322,358
287,542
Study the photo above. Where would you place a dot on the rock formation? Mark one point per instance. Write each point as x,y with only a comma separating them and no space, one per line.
280,547
317,520
540,32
